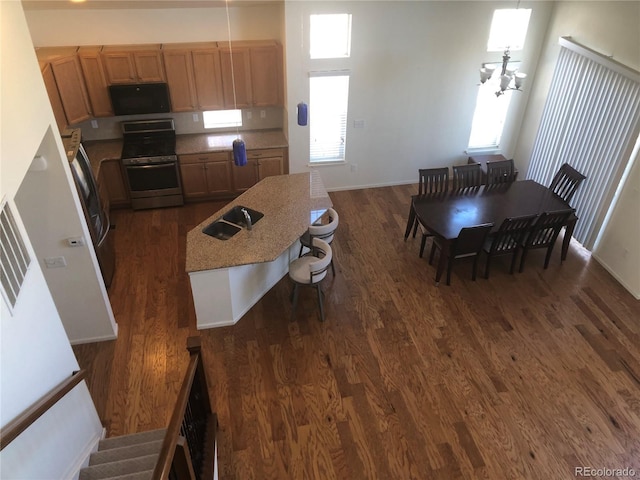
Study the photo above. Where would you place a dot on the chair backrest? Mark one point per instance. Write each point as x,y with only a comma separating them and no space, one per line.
566,182
511,233
465,176
470,240
327,230
501,171
433,180
546,228
318,269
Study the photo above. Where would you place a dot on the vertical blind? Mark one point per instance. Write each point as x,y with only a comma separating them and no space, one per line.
591,120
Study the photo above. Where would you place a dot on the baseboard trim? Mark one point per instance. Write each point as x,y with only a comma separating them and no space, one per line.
627,287
102,338
83,459
372,185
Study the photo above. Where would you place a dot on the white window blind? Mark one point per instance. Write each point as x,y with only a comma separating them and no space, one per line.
329,98
14,259
591,120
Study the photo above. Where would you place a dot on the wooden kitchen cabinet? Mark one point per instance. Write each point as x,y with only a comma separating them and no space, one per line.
261,164
133,64
54,96
206,175
95,80
110,175
257,69
69,82
194,76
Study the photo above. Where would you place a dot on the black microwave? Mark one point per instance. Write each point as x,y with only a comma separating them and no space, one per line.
140,98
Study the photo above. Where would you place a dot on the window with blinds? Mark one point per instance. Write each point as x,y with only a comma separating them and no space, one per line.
15,259
329,98
591,120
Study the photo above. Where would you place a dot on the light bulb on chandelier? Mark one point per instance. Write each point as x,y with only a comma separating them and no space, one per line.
510,78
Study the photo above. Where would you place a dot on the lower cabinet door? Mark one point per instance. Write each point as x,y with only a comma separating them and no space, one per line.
218,177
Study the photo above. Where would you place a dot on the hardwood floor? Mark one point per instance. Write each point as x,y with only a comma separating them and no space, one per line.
525,376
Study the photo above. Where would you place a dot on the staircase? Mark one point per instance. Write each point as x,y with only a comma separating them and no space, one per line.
128,457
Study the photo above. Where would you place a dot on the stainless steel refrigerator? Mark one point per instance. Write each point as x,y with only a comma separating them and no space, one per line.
96,215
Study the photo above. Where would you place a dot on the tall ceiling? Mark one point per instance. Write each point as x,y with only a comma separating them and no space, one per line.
138,4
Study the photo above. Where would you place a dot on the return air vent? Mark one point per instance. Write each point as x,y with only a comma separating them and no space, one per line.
14,257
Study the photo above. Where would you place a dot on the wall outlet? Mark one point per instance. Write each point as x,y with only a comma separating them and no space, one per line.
195,117
55,262
75,241
263,114
94,123
358,124
249,115
354,167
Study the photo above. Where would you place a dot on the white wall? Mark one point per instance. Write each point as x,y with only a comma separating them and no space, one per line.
35,354
414,75
171,25
611,28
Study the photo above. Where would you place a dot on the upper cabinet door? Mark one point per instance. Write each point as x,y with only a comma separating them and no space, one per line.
96,81
266,73
238,79
133,64
54,96
208,79
179,68
71,87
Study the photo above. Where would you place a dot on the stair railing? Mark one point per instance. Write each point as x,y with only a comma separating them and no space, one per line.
14,428
188,450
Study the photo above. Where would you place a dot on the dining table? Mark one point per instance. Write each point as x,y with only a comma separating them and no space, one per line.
445,214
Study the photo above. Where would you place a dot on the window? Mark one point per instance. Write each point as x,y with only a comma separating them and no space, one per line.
508,31
330,35
222,118
329,38
328,98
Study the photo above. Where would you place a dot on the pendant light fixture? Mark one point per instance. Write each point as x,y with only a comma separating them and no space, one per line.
303,114
239,147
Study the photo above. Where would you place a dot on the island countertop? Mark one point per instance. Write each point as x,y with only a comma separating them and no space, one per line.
290,203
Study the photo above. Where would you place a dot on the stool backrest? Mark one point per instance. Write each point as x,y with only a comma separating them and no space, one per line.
327,230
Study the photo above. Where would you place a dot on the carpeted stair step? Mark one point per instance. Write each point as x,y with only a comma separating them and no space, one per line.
123,453
119,468
132,439
146,475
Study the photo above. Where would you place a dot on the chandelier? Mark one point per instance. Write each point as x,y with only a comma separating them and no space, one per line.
510,78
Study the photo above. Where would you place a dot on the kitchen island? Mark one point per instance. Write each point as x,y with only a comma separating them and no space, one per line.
229,276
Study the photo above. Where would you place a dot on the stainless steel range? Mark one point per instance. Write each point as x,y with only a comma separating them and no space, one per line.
150,163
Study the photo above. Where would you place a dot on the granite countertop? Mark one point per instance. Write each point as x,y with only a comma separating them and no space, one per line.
290,203
99,150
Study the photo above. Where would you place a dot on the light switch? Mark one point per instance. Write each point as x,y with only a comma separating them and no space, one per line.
55,262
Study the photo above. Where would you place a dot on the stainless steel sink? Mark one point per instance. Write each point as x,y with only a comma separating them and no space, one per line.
221,230
236,216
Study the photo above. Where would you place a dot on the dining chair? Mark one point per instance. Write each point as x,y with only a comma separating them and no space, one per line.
501,171
466,176
543,234
507,240
324,231
431,180
564,184
310,270
566,181
468,244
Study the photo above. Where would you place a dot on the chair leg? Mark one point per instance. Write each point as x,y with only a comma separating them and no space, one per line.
449,268
522,259
415,227
333,269
294,294
301,248
474,271
548,257
487,265
513,262
422,244
320,302
433,251
566,240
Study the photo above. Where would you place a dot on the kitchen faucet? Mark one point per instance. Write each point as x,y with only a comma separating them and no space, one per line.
247,218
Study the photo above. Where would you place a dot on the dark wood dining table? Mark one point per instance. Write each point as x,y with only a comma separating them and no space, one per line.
443,215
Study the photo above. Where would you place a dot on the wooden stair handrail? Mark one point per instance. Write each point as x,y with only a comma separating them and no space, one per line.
165,459
14,428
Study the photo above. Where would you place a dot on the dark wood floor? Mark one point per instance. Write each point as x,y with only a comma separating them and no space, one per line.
523,376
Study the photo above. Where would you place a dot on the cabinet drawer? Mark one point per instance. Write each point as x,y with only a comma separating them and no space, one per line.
204,157
266,152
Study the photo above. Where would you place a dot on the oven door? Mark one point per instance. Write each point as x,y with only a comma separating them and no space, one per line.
153,180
